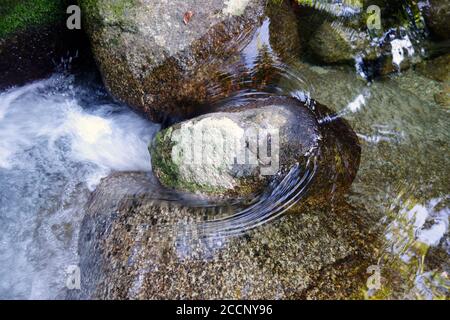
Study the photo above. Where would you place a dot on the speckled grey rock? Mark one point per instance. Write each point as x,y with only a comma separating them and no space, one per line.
284,30
157,61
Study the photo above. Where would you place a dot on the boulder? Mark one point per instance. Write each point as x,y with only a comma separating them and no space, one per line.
437,16
284,30
160,57
34,38
239,151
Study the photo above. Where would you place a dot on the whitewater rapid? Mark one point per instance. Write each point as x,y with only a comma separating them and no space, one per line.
58,139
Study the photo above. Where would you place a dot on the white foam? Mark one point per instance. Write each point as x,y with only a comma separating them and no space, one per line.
53,150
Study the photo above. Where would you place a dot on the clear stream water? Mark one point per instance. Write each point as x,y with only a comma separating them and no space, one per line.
59,137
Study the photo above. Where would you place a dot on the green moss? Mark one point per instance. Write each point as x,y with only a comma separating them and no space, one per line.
108,12
168,172
90,9
312,3
17,15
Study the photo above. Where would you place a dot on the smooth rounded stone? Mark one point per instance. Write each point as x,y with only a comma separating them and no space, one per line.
334,42
133,246
33,39
160,62
224,153
437,16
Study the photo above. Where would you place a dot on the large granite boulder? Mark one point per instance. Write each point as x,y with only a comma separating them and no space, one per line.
161,56
34,39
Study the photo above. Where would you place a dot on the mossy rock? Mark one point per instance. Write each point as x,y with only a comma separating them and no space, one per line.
220,154
336,43
34,38
19,15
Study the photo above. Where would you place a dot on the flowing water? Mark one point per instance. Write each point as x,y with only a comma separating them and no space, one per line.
57,141
59,137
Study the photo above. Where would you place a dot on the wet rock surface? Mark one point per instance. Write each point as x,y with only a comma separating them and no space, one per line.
34,40
347,34
284,30
336,43
222,152
156,61
139,242
437,69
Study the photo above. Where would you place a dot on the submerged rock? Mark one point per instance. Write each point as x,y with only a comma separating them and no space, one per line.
437,16
133,246
284,30
159,62
437,69
346,34
336,43
227,153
